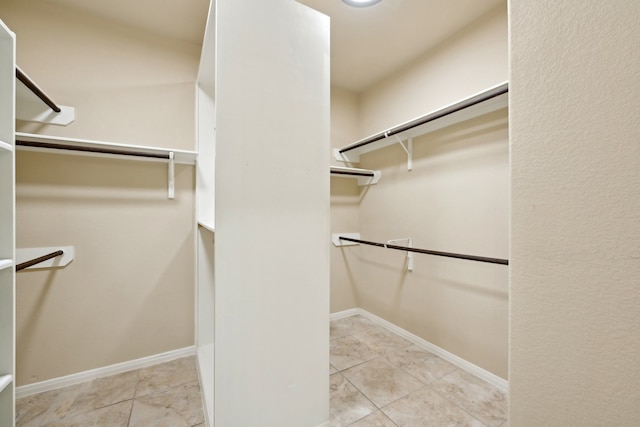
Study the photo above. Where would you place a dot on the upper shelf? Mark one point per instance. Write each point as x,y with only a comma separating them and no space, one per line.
33,105
492,99
33,142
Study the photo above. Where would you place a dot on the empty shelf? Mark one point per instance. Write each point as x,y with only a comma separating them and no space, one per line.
5,263
5,380
5,146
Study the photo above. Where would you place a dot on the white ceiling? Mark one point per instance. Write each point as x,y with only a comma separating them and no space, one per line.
367,44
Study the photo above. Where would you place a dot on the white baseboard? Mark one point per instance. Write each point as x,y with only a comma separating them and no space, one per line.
118,368
489,377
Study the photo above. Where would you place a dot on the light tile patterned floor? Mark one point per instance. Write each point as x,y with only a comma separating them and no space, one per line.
379,379
166,394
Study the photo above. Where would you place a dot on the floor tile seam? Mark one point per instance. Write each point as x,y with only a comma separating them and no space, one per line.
422,381
362,393
423,385
379,410
358,364
165,389
106,406
462,370
83,411
130,412
400,398
457,405
377,355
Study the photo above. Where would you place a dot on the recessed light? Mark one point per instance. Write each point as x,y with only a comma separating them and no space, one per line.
361,3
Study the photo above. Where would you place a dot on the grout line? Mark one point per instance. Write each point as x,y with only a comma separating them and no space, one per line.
425,385
133,402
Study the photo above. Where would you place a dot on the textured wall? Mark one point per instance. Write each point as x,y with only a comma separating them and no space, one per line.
575,247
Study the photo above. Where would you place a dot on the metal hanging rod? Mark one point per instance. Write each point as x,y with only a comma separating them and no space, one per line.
431,117
38,260
91,149
335,172
20,75
429,252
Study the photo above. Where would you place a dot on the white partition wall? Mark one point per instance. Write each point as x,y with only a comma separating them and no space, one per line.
7,226
271,214
205,179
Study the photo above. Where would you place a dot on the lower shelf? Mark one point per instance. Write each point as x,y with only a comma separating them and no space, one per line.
5,380
5,263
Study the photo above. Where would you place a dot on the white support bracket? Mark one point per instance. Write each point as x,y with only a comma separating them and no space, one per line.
409,241
26,254
172,177
335,239
409,150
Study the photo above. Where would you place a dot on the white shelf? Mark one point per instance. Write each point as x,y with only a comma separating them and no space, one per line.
5,380
364,176
5,263
180,156
493,99
5,146
207,226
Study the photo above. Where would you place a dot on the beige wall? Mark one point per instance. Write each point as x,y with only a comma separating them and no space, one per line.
130,291
345,202
455,199
575,132
127,86
468,62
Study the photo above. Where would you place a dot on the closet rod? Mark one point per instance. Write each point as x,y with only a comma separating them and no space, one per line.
334,172
36,90
429,118
90,149
429,252
38,260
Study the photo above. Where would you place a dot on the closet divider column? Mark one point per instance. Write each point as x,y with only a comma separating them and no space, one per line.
271,214
7,226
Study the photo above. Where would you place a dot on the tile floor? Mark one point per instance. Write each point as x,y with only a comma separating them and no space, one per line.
379,379
163,395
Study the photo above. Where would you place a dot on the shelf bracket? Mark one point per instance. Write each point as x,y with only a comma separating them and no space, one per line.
409,241
335,239
408,149
172,177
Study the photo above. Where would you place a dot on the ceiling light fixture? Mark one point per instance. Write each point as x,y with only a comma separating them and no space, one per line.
361,3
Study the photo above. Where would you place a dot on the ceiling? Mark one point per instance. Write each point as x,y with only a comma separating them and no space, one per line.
370,43
367,44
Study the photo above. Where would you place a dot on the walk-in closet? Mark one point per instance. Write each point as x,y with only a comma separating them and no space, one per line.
305,213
